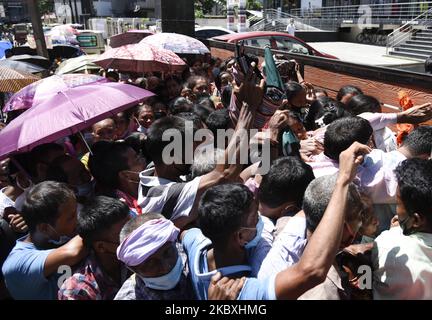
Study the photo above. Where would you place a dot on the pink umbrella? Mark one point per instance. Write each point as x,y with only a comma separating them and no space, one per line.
140,58
178,43
129,37
37,92
67,112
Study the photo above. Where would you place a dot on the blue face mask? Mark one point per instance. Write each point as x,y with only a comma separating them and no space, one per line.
259,228
85,190
61,241
167,281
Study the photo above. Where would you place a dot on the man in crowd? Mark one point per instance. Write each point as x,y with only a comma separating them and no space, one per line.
149,247
33,268
101,274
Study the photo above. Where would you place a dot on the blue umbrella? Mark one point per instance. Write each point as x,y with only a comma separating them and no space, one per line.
4,45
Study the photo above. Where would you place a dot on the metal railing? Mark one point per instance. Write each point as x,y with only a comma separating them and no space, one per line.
378,13
274,20
407,30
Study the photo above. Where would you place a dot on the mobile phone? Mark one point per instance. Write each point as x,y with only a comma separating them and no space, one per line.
240,57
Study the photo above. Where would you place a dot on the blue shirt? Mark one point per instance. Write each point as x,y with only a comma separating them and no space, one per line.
23,272
196,246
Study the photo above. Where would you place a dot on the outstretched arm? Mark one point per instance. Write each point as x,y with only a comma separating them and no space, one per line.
321,250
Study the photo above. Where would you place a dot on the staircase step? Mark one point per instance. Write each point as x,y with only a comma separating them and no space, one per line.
413,50
423,38
409,55
416,46
419,42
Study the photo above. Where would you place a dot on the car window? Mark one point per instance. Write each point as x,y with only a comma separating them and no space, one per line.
291,45
203,34
257,42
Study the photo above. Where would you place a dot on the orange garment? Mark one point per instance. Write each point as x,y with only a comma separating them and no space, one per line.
403,128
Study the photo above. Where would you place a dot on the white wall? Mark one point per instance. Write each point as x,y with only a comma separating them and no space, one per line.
212,22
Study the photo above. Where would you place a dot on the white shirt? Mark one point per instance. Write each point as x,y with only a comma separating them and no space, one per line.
260,252
171,199
402,265
5,202
287,248
291,29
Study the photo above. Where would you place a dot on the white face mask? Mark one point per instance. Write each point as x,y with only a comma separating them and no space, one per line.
167,281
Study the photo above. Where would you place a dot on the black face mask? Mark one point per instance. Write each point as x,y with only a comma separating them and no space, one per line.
159,114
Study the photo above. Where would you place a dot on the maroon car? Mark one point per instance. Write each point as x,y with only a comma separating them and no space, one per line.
276,40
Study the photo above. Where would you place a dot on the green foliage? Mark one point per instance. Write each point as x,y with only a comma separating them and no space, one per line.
253,5
45,6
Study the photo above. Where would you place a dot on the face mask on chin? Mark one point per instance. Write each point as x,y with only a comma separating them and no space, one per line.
259,228
168,281
61,241
85,190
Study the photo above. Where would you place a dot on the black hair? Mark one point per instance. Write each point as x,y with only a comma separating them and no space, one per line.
202,111
317,90
38,155
136,141
326,110
286,180
180,104
55,171
43,202
419,141
98,216
292,89
155,144
107,160
342,133
415,186
190,116
207,103
172,78
362,103
347,90
222,210
112,74
428,65
218,119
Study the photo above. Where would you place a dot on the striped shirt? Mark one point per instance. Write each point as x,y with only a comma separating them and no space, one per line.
171,199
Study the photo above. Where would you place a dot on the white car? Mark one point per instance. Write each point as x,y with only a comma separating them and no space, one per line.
210,32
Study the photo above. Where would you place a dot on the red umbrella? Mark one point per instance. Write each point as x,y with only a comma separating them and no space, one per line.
130,37
141,58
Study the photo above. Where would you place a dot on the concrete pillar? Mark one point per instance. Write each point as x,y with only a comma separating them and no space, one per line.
177,16
230,15
242,16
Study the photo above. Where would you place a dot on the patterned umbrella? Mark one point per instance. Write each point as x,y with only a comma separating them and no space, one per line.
21,66
38,91
66,112
36,60
78,64
177,43
12,80
140,58
129,37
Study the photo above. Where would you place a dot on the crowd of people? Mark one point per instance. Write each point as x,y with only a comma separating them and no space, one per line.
343,212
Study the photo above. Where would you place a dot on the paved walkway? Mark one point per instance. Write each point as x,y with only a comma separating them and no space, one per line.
360,53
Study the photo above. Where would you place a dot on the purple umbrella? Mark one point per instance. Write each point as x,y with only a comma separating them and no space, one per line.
37,92
67,112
